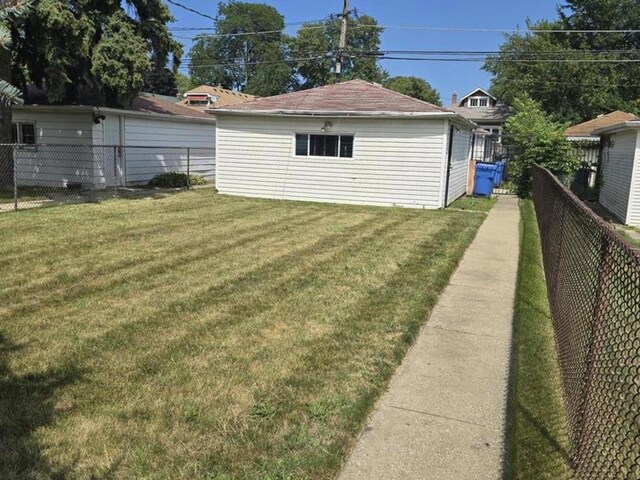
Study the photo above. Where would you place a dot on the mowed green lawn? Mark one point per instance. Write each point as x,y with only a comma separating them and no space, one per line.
201,336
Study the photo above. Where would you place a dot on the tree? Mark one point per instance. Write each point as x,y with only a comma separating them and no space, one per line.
162,82
316,43
94,52
184,83
9,95
537,139
255,64
573,90
415,87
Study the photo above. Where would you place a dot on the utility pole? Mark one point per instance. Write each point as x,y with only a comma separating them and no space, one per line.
343,39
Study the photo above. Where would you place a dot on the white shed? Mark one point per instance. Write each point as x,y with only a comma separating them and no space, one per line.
353,142
620,171
102,147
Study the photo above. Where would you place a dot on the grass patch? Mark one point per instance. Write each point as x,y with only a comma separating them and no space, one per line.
537,435
630,234
201,336
474,203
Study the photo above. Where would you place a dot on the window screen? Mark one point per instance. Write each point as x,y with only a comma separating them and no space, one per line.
302,145
28,133
346,146
324,145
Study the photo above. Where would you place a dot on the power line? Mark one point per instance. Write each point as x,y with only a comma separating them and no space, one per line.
552,53
189,9
213,29
262,62
420,28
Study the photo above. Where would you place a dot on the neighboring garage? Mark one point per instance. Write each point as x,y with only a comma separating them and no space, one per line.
620,171
353,142
102,147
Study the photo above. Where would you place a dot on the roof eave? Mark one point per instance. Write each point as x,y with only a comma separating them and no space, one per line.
346,114
115,111
618,127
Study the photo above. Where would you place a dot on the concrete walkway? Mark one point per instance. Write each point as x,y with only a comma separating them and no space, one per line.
444,414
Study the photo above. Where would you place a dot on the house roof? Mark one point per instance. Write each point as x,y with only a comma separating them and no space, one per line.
355,96
151,103
225,97
497,114
589,129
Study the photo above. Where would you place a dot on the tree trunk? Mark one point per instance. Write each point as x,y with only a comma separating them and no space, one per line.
6,153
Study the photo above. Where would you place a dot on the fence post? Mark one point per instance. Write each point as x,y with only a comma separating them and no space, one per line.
115,170
188,168
15,179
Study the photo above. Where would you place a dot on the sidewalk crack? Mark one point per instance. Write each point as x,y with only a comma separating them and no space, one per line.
439,416
438,327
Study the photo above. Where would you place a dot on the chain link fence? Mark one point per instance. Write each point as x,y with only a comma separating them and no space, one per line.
593,282
46,174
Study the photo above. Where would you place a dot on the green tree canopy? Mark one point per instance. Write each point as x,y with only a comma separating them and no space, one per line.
536,63
537,139
91,51
415,87
254,64
317,42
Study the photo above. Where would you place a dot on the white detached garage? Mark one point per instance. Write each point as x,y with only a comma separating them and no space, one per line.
353,142
620,171
102,147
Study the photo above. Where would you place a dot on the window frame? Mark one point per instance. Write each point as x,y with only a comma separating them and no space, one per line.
308,135
19,134
478,99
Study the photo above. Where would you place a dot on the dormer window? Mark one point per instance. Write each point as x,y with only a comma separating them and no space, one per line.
477,102
196,99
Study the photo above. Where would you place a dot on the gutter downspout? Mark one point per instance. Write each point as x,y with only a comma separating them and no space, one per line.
449,158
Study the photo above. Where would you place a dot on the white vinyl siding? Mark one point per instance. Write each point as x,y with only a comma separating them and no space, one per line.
633,216
617,170
395,162
56,166
93,166
142,164
459,170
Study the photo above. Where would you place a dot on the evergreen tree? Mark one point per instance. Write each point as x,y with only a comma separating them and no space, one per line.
94,51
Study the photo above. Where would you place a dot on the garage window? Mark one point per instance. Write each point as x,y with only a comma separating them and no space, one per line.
23,133
309,145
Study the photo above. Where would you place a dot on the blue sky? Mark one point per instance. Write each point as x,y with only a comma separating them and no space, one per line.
444,76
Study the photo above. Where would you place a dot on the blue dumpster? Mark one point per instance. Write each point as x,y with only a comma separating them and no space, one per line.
484,179
500,172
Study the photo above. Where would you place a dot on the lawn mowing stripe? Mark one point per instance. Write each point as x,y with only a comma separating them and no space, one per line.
183,247
65,294
277,291
217,293
346,247
121,236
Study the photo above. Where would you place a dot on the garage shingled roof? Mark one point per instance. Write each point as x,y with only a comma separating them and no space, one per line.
352,96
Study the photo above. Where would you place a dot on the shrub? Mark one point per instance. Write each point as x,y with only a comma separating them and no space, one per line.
176,180
537,139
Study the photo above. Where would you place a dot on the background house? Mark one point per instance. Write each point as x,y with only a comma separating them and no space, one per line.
620,170
587,142
101,147
206,97
485,110
352,142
